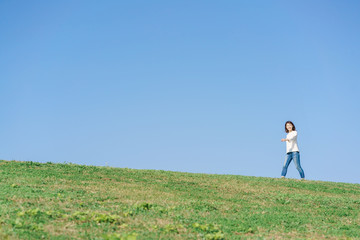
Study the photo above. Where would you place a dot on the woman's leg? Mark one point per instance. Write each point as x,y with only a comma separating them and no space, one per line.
297,164
288,159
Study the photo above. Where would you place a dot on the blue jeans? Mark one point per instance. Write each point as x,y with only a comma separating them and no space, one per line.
289,157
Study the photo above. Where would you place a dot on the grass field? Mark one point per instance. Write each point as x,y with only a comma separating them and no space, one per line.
69,201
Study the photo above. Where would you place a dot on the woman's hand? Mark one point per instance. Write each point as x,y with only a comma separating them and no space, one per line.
284,140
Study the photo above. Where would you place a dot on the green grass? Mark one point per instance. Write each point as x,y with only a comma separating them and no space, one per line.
69,201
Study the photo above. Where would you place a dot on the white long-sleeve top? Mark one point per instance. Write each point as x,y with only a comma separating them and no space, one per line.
291,145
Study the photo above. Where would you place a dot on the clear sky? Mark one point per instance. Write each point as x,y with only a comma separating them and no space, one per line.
194,86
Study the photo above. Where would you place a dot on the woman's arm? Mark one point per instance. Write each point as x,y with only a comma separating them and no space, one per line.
290,136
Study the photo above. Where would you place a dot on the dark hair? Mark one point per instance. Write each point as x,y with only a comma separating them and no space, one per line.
293,128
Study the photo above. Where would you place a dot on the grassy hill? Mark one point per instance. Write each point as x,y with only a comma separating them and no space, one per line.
69,201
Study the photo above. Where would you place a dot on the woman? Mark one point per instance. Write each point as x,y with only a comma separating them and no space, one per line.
292,150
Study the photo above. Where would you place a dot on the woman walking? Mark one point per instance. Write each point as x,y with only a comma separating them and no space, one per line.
292,150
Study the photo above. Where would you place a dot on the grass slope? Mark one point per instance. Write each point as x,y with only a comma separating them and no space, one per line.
69,201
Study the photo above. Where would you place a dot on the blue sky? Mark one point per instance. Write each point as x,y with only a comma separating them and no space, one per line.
195,86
